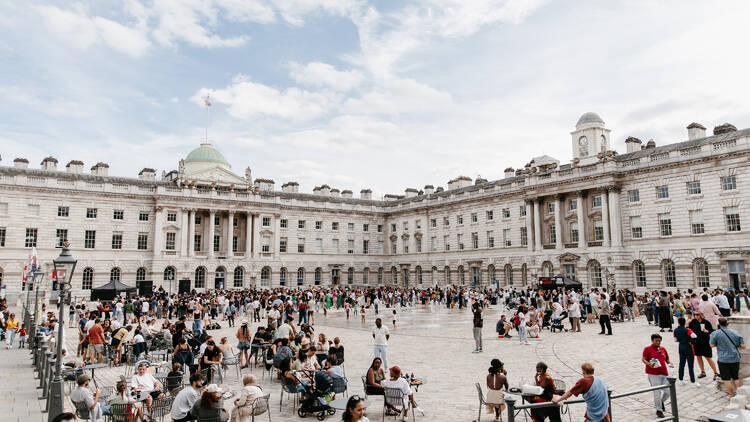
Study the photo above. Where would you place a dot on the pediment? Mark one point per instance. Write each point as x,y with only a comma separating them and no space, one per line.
215,175
567,256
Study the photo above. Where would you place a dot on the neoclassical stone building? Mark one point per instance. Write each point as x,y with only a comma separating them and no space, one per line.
656,217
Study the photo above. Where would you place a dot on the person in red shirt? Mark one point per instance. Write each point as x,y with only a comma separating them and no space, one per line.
656,360
96,341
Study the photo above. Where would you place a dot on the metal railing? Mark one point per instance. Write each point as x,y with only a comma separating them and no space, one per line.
670,385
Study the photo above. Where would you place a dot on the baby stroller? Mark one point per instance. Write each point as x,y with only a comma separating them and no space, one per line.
316,402
547,318
557,323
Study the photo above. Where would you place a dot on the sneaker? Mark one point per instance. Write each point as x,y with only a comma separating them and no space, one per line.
475,351
696,384
659,414
702,375
419,409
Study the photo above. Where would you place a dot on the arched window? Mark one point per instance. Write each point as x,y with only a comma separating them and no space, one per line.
461,275
419,274
169,274
200,277
434,276
491,273
547,269
350,275
282,276
239,277
265,276
524,273
700,269
595,273
140,275
639,273
380,276
365,276
669,274
114,274
447,275
318,274
508,275
87,280
394,275
604,143
300,276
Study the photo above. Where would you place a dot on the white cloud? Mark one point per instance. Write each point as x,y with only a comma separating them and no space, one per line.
345,132
190,21
246,99
295,11
319,74
83,31
399,96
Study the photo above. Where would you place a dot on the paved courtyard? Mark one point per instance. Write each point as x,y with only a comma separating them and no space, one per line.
437,346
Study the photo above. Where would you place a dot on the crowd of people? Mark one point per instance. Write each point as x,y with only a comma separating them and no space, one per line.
122,330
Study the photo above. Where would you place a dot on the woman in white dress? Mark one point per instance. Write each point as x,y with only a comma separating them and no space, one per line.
496,381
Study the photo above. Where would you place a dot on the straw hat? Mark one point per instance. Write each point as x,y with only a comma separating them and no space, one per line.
213,388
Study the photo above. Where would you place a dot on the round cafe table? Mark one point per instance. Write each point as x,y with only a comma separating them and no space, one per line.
340,403
420,382
93,367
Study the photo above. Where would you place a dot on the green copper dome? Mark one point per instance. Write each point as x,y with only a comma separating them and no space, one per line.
206,153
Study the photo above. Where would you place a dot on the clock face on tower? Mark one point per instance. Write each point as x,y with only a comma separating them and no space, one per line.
583,141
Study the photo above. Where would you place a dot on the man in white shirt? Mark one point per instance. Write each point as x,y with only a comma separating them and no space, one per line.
381,335
186,398
256,310
402,384
82,394
286,328
146,383
273,317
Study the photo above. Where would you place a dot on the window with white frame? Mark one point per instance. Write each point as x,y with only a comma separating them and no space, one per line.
63,211
318,245
524,236
489,215
61,236
700,269
418,245
460,241
266,245
639,272
335,245
2,237
91,212
598,230
117,240
334,225
665,224
490,239
143,216
595,273
433,244
365,227
200,277
265,276
170,243
87,279
235,242
662,192
393,227
573,204
380,228
405,246
365,246
669,273
636,230
506,212
318,225
693,188
172,217
552,234
282,244
522,210
301,245
114,274
732,218
596,201
574,232
350,227
550,207
507,241
143,241
301,224
217,242
696,222
475,240
350,246
265,221
728,183
460,219
197,219
446,243
239,277
89,239
433,222
393,248
634,195
283,223
474,217
446,221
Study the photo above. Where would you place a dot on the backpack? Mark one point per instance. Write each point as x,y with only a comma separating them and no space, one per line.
516,320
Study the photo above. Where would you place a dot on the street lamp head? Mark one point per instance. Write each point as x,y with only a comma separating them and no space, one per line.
64,264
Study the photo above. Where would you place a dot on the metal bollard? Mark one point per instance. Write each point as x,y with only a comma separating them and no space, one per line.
511,402
609,403
673,398
45,377
49,384
40,360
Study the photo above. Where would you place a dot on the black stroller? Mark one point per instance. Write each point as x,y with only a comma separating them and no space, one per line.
315,403
557,323
547,318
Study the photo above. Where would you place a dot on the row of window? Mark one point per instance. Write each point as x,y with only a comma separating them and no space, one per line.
732,223
302,224
727,183
91,213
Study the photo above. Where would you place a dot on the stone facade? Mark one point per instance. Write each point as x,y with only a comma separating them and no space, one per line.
653,218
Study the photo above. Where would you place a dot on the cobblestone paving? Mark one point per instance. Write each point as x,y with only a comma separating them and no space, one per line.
437,346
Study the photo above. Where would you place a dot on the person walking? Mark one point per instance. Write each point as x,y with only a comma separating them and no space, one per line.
594,393
11,327
685,338
477,328
604,314
656,360
727,343
702,347
521,320
381,335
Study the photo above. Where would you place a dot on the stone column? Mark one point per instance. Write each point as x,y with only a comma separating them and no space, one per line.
248,235
537,225
276,238
211,216
558,226
230,235
581,220
191,233
615,222
529,228
605,218
158,232
184,235
256,236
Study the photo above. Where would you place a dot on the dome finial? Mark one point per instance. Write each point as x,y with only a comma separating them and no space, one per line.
589,117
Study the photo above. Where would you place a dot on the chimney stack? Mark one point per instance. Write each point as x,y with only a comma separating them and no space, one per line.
696,131
429,189
725,128
509,172
365,194
49,164
292,187
74,166
100,169
147,174
21,163
346,193
633,144
410,192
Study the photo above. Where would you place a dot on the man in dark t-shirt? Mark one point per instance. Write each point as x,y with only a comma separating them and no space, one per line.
477,311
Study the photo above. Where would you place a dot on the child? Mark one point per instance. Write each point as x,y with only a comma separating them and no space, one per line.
394,318
22,336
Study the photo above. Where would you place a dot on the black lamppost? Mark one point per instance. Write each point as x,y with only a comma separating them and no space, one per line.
35,276
65,264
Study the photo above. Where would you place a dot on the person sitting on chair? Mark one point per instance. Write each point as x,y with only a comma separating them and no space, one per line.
375,377
243,410
402,384
82,394
144,382
120,396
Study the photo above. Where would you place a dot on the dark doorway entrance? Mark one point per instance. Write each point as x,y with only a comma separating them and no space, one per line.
184,286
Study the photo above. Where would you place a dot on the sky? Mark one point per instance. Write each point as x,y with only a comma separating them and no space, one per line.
386,94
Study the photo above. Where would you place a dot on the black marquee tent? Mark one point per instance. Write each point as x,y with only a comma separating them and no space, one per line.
559,281
111,290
